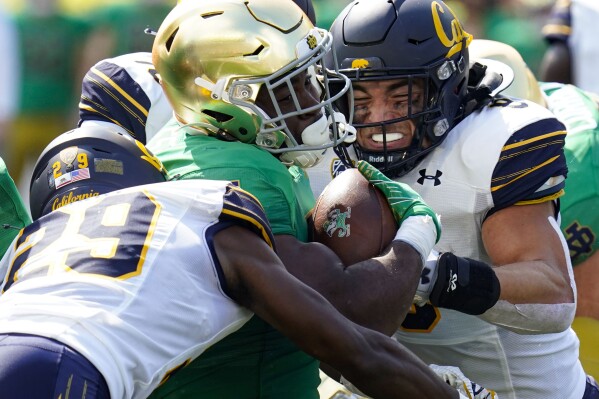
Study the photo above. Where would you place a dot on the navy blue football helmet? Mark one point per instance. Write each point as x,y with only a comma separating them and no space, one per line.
415,40
86,162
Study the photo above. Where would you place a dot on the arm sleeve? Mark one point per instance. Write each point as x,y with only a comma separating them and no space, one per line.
559,25
122,91
532,166
244,209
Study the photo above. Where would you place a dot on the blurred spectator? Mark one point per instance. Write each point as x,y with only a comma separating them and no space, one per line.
515,22
9,75
13,213
573,54
49,44
81,8
119,29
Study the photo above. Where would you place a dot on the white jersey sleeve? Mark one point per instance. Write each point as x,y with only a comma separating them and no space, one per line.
124,91
130,279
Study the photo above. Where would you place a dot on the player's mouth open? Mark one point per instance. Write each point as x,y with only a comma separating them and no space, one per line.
394,141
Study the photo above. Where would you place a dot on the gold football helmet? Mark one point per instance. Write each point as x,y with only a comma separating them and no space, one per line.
213,57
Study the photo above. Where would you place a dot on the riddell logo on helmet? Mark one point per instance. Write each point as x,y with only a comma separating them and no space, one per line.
379,159
67,199
458,34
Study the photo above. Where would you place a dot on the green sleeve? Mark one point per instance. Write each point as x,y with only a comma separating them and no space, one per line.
13,213
188,156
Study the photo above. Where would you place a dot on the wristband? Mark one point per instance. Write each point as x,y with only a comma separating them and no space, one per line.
466,285
420,232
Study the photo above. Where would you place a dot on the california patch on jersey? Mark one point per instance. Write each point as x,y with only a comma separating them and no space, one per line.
326,170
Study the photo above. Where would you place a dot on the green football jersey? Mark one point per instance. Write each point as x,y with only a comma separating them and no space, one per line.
256,361
13,214
580,204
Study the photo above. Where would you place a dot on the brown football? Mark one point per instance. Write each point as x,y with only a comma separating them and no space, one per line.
353,218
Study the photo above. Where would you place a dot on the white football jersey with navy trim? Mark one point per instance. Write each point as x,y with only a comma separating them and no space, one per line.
128,279
456,180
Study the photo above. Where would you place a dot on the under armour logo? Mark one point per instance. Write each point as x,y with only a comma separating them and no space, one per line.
580,240
453,277
424,176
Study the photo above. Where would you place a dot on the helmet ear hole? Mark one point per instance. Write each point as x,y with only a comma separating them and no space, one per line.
243,131
218,116
256,52
170,40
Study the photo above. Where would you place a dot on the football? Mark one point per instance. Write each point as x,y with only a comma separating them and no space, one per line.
353,218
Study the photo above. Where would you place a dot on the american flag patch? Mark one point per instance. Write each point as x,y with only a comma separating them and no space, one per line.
71,177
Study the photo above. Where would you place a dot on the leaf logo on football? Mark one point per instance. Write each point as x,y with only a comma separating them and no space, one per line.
349,200
337,221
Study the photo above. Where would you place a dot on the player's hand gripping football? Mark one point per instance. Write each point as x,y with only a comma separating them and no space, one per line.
419,225
467,389
404,201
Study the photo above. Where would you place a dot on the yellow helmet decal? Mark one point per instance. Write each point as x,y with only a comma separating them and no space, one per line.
149,157
458,34
360,63
312,41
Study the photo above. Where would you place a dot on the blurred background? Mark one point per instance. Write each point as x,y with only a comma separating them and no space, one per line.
49,45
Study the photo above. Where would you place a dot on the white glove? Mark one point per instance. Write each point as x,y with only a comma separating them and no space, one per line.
456,379
428,277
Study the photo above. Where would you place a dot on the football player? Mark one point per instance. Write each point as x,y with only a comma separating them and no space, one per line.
239,76
572,53
124,90
115,286
579,111
191,380
493,168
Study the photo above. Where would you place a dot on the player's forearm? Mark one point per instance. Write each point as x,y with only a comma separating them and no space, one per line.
534,299
404,376
533,282
376,293
385,287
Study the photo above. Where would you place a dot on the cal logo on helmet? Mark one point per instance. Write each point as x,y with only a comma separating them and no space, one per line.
150,158
458,34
